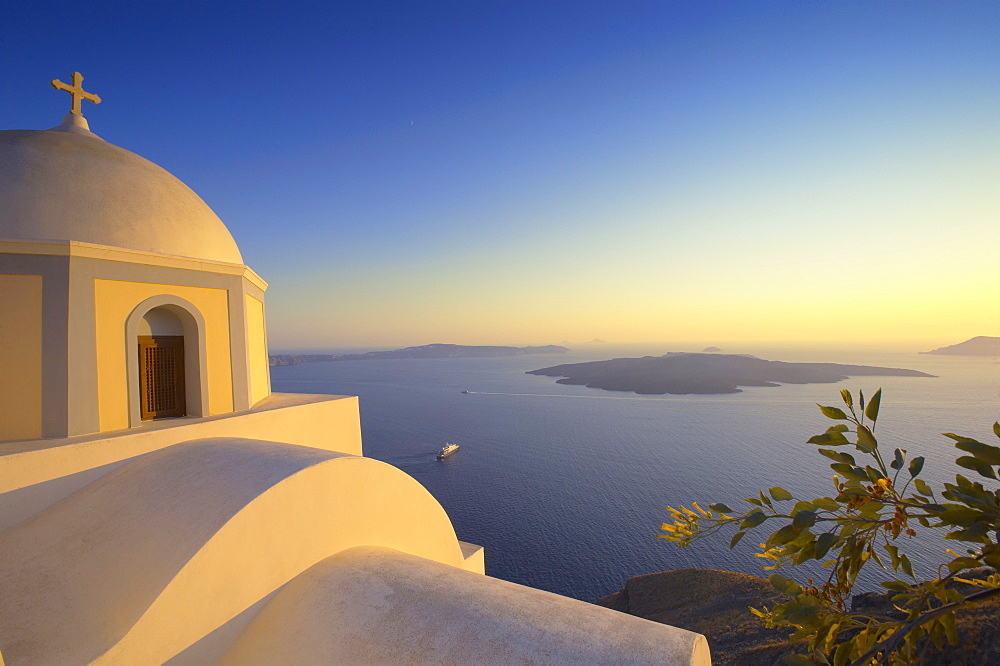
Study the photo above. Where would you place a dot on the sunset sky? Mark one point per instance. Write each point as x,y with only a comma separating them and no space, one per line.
484,172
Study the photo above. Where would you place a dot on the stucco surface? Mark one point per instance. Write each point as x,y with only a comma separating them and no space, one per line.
114,300
260,373
20,356
378,606
328,422
148,559
59,185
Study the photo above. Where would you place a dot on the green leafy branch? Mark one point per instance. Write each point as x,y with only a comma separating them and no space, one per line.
873,506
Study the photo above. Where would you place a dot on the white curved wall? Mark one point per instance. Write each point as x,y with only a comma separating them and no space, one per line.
377,606
147,560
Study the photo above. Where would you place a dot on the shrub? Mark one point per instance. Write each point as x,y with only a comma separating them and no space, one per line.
874,504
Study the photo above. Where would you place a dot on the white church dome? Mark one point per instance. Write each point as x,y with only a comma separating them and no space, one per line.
69,184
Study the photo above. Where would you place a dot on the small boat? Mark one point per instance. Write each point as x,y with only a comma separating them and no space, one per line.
464,391
447,450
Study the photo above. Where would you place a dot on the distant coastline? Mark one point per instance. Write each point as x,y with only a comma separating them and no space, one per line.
981,345
701,373
437,350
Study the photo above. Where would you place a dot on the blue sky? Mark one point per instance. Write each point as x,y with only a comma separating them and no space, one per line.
539,172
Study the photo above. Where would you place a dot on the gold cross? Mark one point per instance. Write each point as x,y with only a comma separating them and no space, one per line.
77,91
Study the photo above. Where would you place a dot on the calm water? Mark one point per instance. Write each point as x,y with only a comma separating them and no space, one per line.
566,486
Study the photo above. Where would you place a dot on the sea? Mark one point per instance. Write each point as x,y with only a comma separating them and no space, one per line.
566,487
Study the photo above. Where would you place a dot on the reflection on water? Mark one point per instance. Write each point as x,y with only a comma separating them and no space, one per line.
567,495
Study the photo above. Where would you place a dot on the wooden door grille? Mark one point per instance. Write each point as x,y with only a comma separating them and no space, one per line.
161,376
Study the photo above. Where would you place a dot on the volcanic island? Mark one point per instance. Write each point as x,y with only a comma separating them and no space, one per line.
681,373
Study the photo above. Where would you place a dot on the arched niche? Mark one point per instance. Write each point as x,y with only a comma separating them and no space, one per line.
161,321
168,315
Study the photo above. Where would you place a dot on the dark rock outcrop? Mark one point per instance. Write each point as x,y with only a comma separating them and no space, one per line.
712,603
715,604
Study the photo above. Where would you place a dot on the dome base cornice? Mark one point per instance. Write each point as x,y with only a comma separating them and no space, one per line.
60,248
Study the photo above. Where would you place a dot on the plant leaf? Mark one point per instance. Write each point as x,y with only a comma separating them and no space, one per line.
832,412
873,473
736,539
960,563
988,454
720,508
783,535
780,493
871,411
804,518
900,457
923,488
948,622
847,398
753,519
968,462
823,543
784,585
830,438
842,654
850,471
866,440
837,456
916,465
826,503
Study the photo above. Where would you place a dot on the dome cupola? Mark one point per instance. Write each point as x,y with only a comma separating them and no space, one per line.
123,297
68,184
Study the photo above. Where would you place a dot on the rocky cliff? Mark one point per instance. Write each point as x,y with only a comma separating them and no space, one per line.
715,604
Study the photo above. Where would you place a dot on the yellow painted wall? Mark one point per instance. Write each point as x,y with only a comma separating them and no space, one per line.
257,349
113,302
20,357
